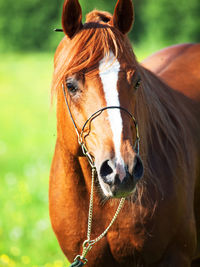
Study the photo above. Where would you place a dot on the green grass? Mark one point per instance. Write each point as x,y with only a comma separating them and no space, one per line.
27,139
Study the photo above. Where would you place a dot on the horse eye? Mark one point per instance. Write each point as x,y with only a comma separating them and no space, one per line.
71,87
137,85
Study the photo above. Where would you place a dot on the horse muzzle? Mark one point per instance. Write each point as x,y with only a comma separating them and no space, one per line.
119,180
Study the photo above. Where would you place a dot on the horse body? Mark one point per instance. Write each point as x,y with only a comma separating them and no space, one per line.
178,66
160,223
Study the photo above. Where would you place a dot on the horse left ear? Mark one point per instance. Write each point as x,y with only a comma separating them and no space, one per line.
123,16
71,17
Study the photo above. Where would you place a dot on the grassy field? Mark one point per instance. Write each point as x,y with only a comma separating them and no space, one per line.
27,138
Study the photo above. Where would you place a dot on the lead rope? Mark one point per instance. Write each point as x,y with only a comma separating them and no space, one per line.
81,260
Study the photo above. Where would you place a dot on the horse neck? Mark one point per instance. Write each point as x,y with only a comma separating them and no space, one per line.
73,172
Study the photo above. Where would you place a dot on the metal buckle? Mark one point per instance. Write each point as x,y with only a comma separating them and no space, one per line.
87,154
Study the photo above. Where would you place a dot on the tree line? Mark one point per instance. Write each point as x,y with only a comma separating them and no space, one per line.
28,25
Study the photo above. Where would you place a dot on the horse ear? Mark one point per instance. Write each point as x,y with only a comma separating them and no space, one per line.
123,16
71,17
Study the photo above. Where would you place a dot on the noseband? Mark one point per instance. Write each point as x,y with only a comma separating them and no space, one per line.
93,116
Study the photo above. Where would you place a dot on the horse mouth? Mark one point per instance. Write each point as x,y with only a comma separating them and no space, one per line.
115,188
122,191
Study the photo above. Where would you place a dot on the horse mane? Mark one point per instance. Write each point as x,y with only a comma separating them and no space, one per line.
84,51
164,122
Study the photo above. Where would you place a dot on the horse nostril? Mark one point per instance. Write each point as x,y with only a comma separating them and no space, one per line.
138,169
105,169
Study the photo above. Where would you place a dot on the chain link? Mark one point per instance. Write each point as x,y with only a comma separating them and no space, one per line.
121,203
90,213
88,244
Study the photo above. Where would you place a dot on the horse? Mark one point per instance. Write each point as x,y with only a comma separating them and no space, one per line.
134,127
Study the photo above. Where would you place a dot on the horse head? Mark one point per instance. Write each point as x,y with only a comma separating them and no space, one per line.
97,69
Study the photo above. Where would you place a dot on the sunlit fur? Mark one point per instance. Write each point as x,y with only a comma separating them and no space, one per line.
168,125
160,116
84,52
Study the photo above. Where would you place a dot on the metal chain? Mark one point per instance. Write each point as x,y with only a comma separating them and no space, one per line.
81,260
87,244
121,203
90,213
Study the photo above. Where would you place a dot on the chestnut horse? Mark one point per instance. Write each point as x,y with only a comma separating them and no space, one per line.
96,69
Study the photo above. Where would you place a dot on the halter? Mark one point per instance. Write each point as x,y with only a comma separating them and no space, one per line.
93,116
81,260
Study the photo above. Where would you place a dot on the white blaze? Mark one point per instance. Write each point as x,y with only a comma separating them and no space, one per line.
109,68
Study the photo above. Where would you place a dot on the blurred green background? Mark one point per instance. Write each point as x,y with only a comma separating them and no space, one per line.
28,122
